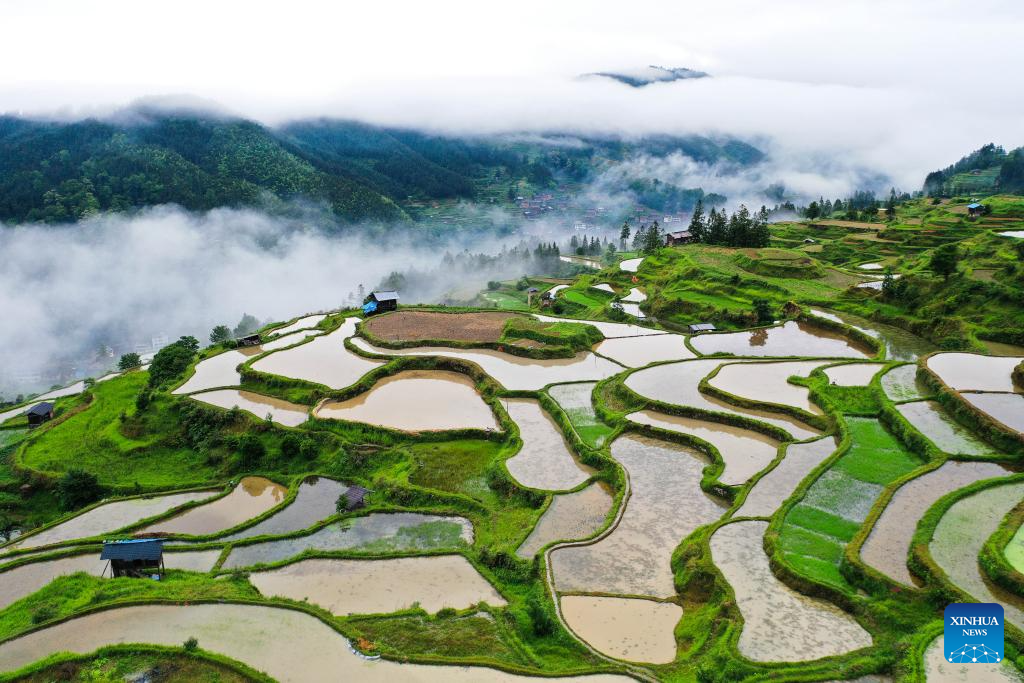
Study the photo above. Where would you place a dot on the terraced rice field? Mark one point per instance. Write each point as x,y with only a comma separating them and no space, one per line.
414,401
1007,409
635,352
379,586
974,372
631,265
767,382
818,528
324,360
303,323
545,460
219,371
901,384
376,532
635,558
767,495
609,330
570,516
678,384
280,411
108,517
852,374
744,452
790,339
624,628
1014,550
899,344
959,536
252,497
575,400
938,670
779,624
315,501
888,544
432,325
930,419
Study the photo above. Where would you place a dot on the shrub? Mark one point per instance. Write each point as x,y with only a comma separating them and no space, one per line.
540,618
78,488
129,361
171,361
251,450
308,449
290,446
191,645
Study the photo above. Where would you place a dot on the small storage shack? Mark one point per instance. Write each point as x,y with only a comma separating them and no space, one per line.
380,302
39,413
702,327
136,558
355,497
975,209
679,237
250,340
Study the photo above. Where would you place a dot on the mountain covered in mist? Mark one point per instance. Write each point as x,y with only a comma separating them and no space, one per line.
62,171
988,169
639,78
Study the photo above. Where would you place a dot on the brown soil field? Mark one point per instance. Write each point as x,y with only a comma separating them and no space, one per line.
424,325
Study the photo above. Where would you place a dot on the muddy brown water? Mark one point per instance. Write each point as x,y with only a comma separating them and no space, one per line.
974,372
281,411
636,352
417,400
250,498
303,323
958,539
288,645
575,400
929,418
377,532
514,372
1007,409
678,384
571,516
744,452
794,338
26,579
767,382
779,624
315,500
852,374
776,486
888,544
899,344
938,670
109,517
545,460
379,586
901,384
625,628
635,558
325,360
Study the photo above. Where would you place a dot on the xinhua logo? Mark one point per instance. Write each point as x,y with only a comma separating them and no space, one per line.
974,633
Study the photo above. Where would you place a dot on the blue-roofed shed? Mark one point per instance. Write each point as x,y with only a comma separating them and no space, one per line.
137,558
975,209
379,302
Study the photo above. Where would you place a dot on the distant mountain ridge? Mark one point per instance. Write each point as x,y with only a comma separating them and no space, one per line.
60,172
988,169
651,74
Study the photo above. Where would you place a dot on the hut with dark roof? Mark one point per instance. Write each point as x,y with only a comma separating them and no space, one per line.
250,340
142,557
355,497
39,413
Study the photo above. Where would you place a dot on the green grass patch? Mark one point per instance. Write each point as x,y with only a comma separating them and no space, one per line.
451,637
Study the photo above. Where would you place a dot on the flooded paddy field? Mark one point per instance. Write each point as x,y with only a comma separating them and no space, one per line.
779,624
635,558
817,529
678,384
1007,409
794,338
744,452
378,586
281,411
958,539
767,382
609,330
376,532
631,265
303,323
776,486
635,296
974,372
544,461
938,670
515,372
109,517
901,384
899,344
250,498
315,500
416,400
571,516
604,287
1002,349
288,645
575,400
888,544
636,352
1014,550
625,628
929,418
852,374
325,360
484,326
632,309
219,371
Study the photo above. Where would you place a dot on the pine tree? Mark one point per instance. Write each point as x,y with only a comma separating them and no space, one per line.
697,222
624,234
652,239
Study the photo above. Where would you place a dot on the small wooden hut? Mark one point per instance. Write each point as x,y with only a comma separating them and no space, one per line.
250,340
380,302
702,327
143,557
39,413
355,497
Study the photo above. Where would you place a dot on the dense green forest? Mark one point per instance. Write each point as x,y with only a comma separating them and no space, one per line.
58,172
987,169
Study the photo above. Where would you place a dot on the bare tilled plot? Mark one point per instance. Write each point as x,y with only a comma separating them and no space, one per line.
887,547
665,506
779,624
424,325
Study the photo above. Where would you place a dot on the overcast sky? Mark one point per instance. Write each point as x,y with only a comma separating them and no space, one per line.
900,86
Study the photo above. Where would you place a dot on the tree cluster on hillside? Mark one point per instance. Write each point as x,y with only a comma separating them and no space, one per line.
171,361
1009,177
741,229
